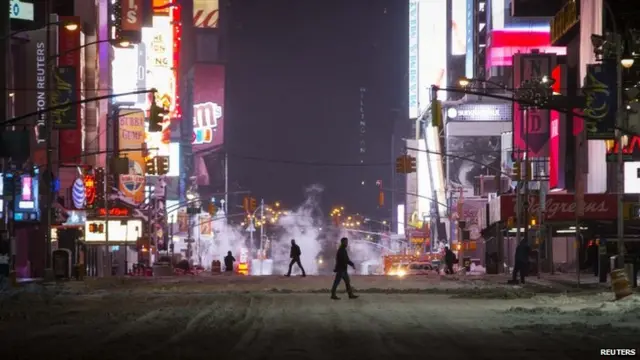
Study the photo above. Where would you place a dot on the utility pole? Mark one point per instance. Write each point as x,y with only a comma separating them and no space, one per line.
5,40
226,183
48,269
261,235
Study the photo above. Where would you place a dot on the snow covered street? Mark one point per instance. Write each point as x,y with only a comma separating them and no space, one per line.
293,318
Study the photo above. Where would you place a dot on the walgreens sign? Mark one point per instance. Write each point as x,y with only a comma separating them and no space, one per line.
562,207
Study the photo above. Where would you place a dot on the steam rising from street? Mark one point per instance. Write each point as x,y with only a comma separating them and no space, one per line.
303,225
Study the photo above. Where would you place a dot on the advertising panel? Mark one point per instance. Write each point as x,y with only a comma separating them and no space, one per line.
119,231
131,135
562,207
432,49
469,66
480,112
508,42
506,157
26,201
129,73
208,108
632,177
557,151
413,59
206,14
161,75
531,127
64,93
475,156
71,121
630,150
458,27
601,107
37,57
131,15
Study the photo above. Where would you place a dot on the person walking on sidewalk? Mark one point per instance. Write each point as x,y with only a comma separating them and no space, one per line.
342,262
295,254
522,261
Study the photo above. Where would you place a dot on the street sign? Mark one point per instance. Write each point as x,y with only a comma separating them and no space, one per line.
20,10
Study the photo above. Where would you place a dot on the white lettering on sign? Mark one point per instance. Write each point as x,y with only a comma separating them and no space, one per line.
41,91
20,10
205,122
474,113
131,12
554,207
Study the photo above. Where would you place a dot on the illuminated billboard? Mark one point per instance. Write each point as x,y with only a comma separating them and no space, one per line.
458,27
129,73
427,52
131,135
208,108
206,14
508,42
161,76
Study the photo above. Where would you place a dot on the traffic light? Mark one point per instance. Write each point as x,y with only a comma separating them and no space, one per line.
156,117
100,185
150,164
533,221
112,185
96,228
381,199
252,205
401,165
412,164
405,164
144,150
436,113
511,222
517,171
212,209
246,204
162,164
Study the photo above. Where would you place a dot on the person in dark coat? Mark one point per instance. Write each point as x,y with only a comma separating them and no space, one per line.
228,262
294,254
449,260
522,261
342,261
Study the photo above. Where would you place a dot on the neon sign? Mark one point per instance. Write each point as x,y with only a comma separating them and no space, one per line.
90,189
114,212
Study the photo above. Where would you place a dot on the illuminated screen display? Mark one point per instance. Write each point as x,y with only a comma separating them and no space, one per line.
506,43
129,73
432,49
158,42
458,27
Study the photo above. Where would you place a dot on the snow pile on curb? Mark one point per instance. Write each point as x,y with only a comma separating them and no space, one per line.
563,305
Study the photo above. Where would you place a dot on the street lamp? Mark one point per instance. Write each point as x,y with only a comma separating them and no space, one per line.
467,82
627,59
67,24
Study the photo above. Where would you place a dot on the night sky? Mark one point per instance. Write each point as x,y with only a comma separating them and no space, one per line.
293,88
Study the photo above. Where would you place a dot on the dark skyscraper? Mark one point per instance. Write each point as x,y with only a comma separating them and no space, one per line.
295,74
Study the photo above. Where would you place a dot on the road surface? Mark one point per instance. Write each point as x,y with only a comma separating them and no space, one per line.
288,320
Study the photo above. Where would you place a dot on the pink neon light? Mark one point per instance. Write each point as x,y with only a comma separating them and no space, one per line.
501,38
504,56
26,188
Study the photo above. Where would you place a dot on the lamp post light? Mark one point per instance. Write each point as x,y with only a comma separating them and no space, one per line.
67,24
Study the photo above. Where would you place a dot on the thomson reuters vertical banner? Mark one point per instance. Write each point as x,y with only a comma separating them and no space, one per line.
131,135
70,121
